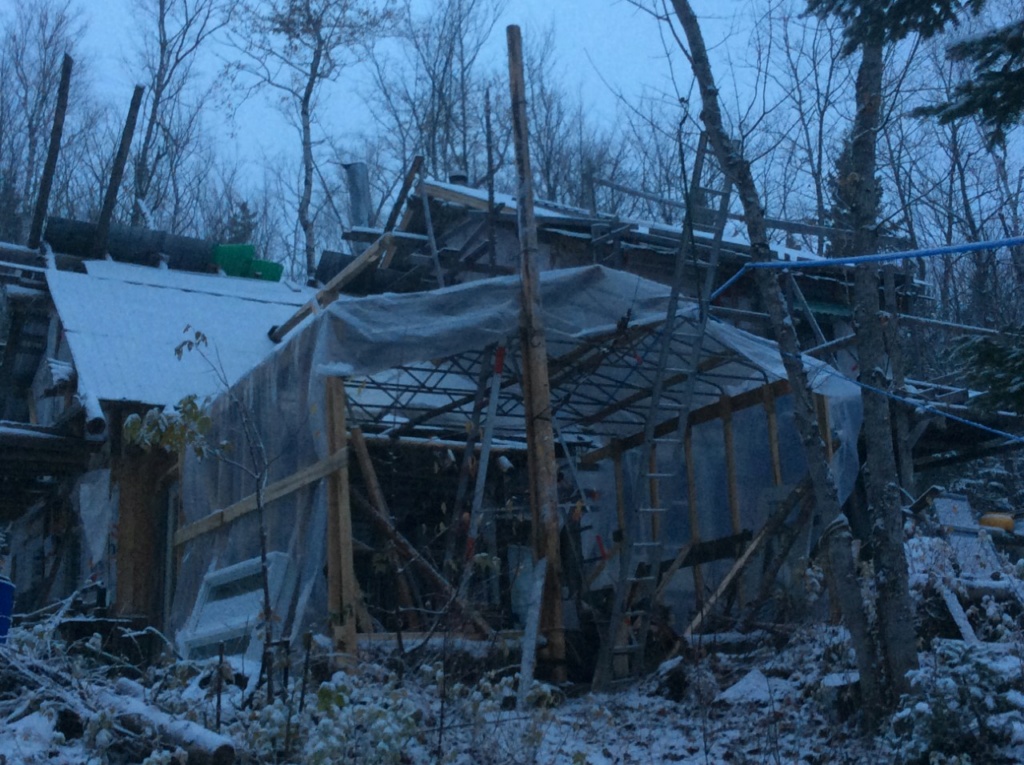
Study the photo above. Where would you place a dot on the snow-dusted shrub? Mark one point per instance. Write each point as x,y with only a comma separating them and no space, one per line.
964,708
375,723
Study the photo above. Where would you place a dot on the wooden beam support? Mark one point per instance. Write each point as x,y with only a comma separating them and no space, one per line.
276,490
773,434
35,235
536,387
380,503
341,579
691,490
732,487
99,245
370,256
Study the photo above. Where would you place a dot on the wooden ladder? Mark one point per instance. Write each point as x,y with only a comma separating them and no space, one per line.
637,588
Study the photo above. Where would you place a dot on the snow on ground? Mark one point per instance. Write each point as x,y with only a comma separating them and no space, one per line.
788,695
789,701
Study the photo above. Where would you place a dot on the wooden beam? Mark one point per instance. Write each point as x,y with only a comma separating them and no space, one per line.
376,495
773,434
99,245
707,413
341,580
333,288
732,487
723,587
416,560
35,235
536,387
620,490
824,424
403,192
677,563
276,490
692,500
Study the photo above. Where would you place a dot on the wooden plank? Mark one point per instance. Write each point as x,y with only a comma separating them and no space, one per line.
676,565
341,582
379,501
274,491
620,490
691,490
732,487
723,587
403,192
370,256
959,615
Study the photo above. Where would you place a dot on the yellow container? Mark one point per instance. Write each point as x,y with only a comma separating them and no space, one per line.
1002,521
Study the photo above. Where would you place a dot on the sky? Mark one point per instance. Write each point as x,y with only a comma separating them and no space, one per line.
603,47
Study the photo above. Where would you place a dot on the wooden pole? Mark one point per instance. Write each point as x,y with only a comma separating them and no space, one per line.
99,246
341,582
691,490
35,236
539,431
730,466
773,434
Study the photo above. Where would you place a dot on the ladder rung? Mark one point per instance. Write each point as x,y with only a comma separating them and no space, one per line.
647,544
662,475
638,579
650,509
668,440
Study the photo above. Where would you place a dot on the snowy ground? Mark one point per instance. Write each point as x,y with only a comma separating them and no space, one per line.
790,697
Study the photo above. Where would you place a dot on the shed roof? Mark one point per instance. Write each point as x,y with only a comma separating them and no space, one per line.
124,322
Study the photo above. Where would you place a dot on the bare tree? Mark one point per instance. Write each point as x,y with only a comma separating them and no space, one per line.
429,93
177,31
32,47
293,48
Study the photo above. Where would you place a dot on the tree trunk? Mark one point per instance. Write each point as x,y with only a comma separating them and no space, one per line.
822,480
881,482
305,119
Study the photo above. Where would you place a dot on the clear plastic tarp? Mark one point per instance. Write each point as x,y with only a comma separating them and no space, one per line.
412,365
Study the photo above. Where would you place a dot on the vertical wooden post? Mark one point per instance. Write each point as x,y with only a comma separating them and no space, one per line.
536,386
732,484
773,434
620,488
99,246
691,490
824,424
730,465
341,581
35,235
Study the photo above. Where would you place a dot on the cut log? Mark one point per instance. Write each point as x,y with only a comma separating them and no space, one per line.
202,745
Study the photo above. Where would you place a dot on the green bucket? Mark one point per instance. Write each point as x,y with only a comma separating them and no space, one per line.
234,259
267,270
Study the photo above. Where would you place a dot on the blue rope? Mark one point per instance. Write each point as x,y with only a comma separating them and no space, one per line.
928,252
918,404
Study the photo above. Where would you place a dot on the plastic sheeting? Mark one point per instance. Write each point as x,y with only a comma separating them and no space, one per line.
603,333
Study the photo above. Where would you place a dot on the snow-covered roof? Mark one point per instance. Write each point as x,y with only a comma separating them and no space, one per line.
123,323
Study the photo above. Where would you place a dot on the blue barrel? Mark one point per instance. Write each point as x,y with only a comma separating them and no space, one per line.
6,606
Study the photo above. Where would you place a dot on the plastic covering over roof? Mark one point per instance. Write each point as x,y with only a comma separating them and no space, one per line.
123,323
414,362
603,331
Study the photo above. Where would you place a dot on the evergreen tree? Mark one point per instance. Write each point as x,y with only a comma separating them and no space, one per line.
995,90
